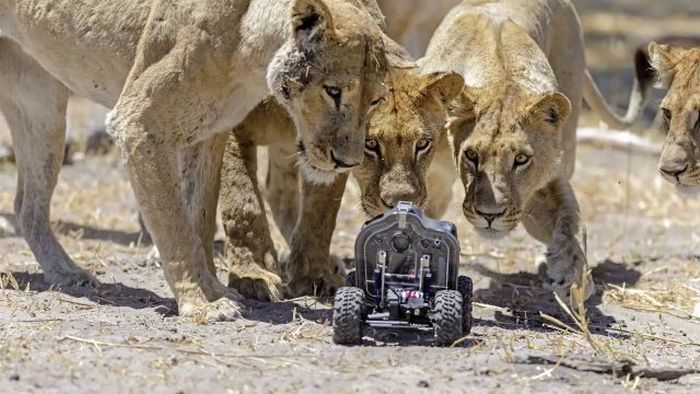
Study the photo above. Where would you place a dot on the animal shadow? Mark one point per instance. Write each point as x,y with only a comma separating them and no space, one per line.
88,232
525,299
104,294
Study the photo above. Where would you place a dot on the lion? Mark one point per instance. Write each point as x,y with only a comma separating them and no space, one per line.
178,75
534,94
679,73
513,128
407,156
393,161
413,115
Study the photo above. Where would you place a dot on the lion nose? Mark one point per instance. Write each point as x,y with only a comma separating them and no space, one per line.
391,202
673,171
491,216
396,192
341,163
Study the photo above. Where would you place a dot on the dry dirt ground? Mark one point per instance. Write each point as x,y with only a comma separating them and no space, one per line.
641,332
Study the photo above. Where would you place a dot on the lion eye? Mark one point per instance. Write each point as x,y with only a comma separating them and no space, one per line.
334,93
696,127
472,156
521,160
374,105
372,147
423,144
376,102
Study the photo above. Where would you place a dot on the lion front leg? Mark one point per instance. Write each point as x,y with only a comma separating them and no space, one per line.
153,169
170,169
310,269
250,251
553,217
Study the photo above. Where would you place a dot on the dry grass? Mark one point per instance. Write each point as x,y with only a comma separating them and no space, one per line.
677,297
576,310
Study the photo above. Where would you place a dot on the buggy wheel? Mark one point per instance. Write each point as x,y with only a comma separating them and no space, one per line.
347,316
351,279
466,288
447,317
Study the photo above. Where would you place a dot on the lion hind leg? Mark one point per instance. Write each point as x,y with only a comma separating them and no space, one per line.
554,218
250,251
34,104
310,268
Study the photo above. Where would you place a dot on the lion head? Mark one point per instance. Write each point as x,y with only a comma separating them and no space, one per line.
679,72
506,145
401,138
329,77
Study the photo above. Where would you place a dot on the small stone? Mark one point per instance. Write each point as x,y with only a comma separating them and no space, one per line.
423,384
14,377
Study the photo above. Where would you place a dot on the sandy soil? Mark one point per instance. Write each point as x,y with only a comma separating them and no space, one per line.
123,336
640,333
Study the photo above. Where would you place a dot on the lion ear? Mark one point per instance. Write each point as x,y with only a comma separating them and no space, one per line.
553,108
444,86
664,59
311,20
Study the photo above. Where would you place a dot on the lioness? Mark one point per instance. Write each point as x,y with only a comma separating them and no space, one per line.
679,72
407,153
513,128
399,150
520,89
178,74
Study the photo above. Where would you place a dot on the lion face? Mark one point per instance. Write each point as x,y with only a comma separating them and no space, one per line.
329,77
401,138
679,70
506,148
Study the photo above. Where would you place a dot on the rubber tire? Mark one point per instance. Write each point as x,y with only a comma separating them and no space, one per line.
447,317
351,279
466,288
347,316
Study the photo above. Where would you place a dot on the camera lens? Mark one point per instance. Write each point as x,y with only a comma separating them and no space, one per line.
401,242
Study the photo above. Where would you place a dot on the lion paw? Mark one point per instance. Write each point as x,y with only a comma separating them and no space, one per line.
259,284
254,278
68,275
316,285
207,300
223,309
566,265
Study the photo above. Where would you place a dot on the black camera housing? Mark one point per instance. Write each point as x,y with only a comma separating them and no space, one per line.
406,274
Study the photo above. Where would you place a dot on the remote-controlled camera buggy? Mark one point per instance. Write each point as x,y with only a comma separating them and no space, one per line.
406,275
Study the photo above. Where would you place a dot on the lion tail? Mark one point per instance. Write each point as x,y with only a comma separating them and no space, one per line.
644,79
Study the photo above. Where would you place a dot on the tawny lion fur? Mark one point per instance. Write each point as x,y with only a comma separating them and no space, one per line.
679,73
394,169
520,95
513,129
179,75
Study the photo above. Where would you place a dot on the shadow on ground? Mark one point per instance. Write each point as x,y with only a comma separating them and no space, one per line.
116,294
88,232
522,294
